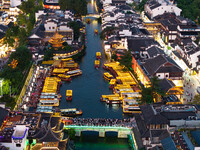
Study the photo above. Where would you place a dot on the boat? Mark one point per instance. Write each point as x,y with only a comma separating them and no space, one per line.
98,55
112,83
107,76
88,21
96,31
65,77
73,73
71,112
131,106
114,100
69,95
96,64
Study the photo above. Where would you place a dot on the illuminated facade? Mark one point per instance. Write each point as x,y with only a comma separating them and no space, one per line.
141,74
51,4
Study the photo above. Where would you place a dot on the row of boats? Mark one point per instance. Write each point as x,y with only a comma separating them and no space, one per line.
125,90
65,69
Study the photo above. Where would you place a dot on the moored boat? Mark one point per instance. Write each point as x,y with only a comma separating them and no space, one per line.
96,64
96,31
88,21
73,73
98,55
69,95
112,83
65,77
107,76
71,112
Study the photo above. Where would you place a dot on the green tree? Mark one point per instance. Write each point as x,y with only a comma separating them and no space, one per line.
48,54
28,6
76,29
152,92
79,6
9,40
114,57
126,60
196,100
10,101
22,37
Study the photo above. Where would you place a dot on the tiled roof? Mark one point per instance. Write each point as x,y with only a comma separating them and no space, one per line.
151,116
3,113
166,84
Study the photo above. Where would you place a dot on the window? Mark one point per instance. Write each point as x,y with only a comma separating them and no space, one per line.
53,27
166,75
50,28
18,145
158,75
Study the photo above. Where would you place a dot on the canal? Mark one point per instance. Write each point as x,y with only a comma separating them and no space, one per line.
88,88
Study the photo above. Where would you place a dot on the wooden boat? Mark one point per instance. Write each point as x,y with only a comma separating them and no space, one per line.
73,73
98,55
131,106
96,31
65,77
71,112
112,83
96,64
107,76
88,21
69,95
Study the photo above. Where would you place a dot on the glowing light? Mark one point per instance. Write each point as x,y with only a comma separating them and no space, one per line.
92,2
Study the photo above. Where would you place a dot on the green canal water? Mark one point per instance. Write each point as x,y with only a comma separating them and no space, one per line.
95,143
87,90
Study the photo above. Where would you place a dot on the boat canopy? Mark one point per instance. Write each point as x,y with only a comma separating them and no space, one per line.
69,93
74,71
68,110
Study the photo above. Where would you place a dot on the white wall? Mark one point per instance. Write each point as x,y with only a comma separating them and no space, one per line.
189,123
50,26
162,9
14,3
39,13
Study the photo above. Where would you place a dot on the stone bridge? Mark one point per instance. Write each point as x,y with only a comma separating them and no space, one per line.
122,132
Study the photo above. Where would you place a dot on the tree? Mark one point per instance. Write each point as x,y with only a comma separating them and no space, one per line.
79,6
9,40
48,54
10,101
151,93
28,6
76,29
114,57
126,60
22,37
196,100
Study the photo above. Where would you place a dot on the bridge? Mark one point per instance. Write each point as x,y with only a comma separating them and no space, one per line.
121,126
92,16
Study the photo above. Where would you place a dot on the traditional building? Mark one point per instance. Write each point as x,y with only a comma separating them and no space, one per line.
49,133
51,4
57,40
154,8
162,67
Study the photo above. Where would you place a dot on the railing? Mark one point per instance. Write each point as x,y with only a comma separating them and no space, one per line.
19,99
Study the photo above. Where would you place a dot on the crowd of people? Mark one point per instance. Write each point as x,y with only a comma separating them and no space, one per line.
104,122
